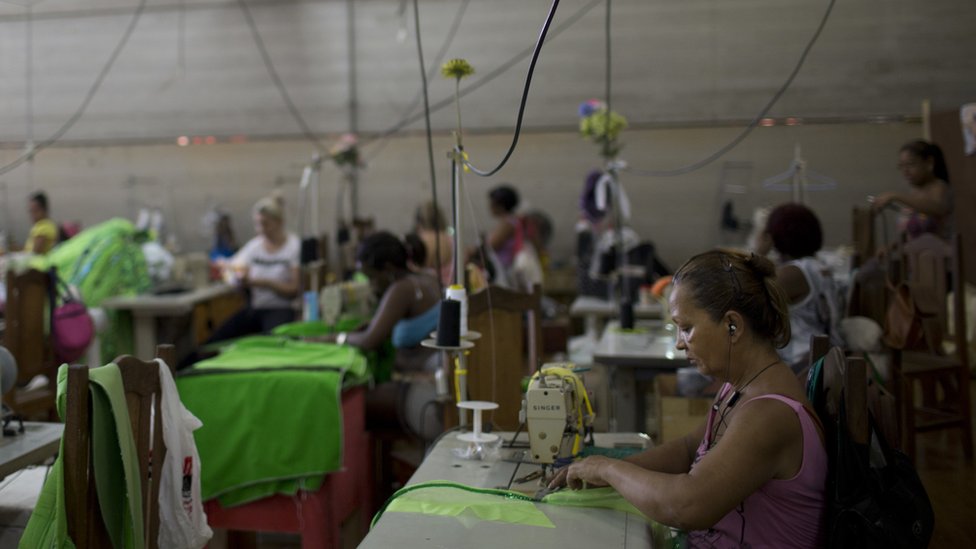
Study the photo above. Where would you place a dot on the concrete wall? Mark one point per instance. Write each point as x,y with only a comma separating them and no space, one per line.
680,214
191,69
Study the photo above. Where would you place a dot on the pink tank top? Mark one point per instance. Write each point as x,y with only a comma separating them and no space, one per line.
782,513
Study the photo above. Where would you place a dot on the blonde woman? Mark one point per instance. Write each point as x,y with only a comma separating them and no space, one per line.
267,266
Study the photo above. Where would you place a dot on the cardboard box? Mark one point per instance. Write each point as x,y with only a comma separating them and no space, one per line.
677,415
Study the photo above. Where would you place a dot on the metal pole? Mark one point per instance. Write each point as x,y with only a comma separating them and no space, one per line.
353,101
456,188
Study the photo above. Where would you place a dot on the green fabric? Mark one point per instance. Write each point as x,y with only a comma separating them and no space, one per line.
113,450
275,401
276,352
313,328
104,261
445,498
48,523
453,500
599,498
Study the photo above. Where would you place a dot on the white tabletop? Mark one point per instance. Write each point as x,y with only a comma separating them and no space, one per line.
168,304
38,442
649,345
593,306
575,527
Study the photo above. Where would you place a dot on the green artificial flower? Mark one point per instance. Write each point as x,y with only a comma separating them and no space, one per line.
604,130
457,68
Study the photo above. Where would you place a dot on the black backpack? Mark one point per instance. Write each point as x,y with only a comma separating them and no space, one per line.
875,498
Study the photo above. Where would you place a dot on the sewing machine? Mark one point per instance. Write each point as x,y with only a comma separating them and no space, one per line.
351,297
556,412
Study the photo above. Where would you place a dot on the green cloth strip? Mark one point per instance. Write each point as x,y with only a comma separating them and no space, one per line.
446,498
313,328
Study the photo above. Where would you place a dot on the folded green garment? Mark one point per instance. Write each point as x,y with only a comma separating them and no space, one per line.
271,413
115,462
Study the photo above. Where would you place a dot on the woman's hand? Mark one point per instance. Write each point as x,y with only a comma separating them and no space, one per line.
586,473
882,200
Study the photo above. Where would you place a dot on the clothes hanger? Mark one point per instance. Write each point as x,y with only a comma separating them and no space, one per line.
798,179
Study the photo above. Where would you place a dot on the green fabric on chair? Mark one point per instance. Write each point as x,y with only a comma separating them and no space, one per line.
113,451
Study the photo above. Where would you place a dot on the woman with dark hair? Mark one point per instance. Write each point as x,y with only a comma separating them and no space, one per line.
794,231
407,311
407,314
506,238
44,232
754,474
927,207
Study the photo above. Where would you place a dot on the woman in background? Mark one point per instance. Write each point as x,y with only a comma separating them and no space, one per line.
267,266
44,232
431,227
927,206
506,237
794,231
406,315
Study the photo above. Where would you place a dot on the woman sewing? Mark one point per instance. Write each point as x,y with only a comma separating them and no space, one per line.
406,315
268,266
754,474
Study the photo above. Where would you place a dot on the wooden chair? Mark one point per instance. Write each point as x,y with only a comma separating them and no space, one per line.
932,261
141,382
879,402
509,349
862,224
25,336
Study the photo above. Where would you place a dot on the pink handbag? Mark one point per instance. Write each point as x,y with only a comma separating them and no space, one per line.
72,329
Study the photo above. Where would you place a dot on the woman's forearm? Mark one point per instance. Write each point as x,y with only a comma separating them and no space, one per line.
670,457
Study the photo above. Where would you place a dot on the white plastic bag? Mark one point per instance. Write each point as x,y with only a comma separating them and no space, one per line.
182,522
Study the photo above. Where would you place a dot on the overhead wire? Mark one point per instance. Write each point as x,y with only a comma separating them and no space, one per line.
430,147
430,74
488,77
80,111
276,79
525,96
755,121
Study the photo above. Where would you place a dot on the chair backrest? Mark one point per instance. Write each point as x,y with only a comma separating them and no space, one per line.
862,223
934,262
509,348
140,380
25,334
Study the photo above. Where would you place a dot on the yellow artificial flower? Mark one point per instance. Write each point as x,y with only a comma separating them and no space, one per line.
457,68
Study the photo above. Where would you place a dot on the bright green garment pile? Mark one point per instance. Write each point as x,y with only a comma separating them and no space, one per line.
271,413
104,261
113,450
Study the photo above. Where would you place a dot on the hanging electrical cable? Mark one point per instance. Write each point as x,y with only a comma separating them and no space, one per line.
487,77
430,148
525,96
755,121
80,111
273,73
